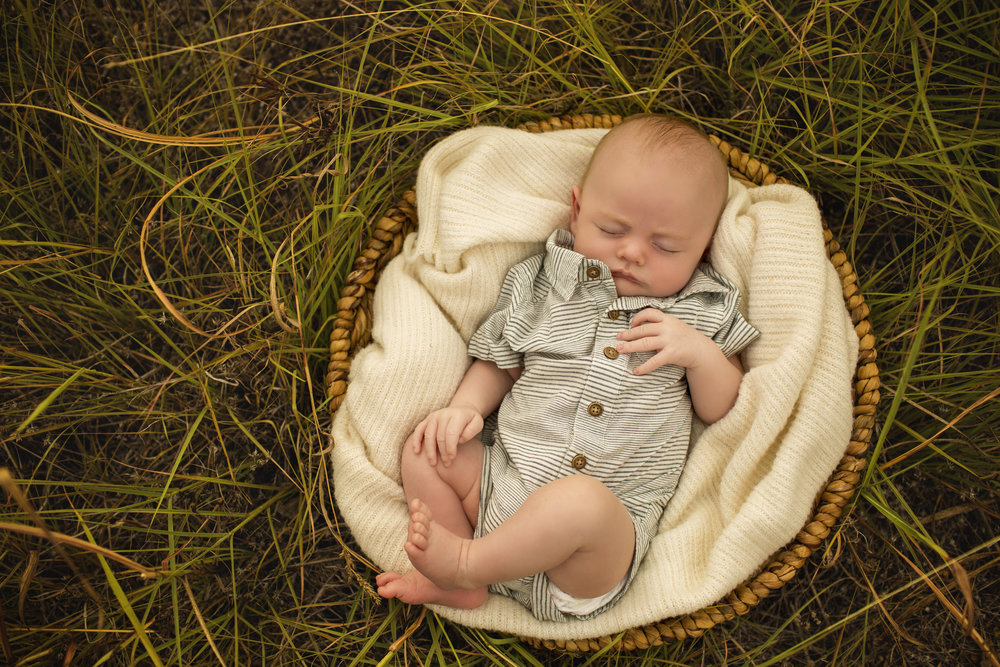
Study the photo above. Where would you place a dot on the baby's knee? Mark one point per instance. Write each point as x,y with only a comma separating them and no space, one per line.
410,462
592,499
584,486
415,466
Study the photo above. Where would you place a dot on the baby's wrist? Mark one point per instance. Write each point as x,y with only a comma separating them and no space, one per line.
706,352
465,405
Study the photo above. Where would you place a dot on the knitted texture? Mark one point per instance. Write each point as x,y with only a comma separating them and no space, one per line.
487,198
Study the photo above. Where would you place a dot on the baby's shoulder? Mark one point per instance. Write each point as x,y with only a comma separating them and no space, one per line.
522,278
527,268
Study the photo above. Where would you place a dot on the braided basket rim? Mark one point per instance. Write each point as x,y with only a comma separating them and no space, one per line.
352,331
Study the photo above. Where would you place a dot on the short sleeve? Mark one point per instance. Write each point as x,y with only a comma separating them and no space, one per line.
736,333
711,304
490,342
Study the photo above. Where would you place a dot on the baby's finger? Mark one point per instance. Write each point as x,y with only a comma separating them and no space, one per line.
430,442
454,431
448,452
456,436
474,426
650,365
647,315
442,442
642,344
442,438
413,441
416,439
636,332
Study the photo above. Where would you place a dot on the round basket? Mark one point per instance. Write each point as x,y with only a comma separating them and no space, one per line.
352,331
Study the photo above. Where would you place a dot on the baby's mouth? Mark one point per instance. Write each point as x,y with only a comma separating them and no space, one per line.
626,276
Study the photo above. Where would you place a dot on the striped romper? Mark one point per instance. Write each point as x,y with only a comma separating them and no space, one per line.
577,408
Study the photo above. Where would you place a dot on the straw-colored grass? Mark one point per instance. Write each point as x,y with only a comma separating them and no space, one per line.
184,186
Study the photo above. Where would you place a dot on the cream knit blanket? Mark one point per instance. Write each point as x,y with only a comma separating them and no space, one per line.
487,198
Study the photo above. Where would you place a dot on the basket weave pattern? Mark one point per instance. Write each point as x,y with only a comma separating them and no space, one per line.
352,331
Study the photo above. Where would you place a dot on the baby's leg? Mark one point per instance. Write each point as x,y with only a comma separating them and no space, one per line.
453,494
573,529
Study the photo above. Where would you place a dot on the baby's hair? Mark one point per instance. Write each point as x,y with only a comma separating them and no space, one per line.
658,131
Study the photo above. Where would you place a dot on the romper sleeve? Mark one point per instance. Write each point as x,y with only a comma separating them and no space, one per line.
711,304
735,333
490,341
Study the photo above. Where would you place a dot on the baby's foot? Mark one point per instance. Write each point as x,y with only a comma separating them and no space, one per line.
439,554
415,588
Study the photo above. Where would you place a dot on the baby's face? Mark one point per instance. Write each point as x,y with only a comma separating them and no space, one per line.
649,215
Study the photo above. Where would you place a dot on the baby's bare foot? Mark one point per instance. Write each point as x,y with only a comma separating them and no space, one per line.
439,554
415,588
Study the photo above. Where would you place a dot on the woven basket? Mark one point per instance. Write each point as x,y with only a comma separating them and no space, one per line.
352,331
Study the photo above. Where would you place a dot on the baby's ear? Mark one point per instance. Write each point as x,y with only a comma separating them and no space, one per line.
574,207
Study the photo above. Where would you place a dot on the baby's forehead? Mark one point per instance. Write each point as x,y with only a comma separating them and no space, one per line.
671,152
680,148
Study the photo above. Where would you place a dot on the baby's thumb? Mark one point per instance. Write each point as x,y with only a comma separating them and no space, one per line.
474,426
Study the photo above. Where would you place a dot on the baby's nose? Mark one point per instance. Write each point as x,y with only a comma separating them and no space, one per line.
630,251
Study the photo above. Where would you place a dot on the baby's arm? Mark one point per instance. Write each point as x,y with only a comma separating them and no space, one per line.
479,394
713,379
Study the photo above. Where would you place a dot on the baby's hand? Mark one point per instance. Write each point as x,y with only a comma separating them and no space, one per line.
677,342
442,431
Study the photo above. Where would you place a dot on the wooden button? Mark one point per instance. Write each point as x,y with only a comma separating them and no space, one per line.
612,314
579,461
593,271
610,352
595,409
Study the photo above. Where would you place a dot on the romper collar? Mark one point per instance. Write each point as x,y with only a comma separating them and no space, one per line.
567,268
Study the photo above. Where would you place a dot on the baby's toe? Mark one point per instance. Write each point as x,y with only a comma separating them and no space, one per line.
419,540
386,577
417,506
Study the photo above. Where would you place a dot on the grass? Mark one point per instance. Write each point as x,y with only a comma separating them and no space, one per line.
183,189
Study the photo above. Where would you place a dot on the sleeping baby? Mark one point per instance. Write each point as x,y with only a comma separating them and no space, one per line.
596,352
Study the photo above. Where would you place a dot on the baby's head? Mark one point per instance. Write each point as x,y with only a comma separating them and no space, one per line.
648,204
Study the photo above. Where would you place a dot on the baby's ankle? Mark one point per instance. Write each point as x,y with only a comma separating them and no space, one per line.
465,574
